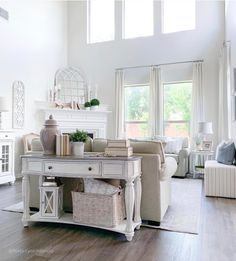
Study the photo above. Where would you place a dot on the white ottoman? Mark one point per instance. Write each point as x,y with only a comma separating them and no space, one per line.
220,179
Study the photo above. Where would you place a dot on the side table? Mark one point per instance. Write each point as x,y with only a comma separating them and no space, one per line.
201,155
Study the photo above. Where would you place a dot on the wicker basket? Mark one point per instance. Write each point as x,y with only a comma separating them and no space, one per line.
98,209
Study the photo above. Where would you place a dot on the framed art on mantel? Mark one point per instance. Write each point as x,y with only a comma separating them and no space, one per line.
18,104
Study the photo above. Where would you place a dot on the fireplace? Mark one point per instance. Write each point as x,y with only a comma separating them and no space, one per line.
94,122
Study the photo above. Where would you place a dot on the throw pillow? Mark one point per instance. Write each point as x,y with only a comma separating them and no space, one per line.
226,153
173,145
99,187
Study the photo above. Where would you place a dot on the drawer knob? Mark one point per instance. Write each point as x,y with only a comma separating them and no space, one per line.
90,168
49,167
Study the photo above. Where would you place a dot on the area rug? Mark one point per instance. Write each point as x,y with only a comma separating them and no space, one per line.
18,207
183,214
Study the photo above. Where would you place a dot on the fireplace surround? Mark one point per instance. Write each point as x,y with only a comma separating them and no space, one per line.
94,122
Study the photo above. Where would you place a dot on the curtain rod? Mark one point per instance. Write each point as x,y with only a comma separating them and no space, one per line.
161,64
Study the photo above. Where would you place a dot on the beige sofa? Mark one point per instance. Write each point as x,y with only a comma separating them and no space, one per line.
156,178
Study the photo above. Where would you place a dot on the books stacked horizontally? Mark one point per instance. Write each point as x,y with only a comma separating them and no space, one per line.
119,148
62,145
50,182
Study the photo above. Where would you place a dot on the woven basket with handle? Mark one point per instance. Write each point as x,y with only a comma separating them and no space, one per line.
98,209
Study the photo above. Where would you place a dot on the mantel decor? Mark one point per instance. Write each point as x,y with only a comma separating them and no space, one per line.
18,104
70,86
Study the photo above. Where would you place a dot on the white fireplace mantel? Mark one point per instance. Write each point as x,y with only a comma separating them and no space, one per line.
94,121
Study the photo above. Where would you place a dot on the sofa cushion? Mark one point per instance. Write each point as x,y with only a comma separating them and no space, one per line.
148,147
99,145
88,145
226,152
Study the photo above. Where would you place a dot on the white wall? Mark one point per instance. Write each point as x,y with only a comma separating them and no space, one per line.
230,26
33,45
100,60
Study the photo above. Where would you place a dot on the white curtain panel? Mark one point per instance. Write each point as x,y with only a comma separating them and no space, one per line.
156,103
197,99
224,113
120,110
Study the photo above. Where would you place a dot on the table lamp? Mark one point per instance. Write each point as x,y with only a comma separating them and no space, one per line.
4,107
205,128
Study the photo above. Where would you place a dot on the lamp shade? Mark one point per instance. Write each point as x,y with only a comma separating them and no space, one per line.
205,127
4,105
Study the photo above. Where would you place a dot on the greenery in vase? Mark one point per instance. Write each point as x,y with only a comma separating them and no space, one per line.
87,104
95,102
79,136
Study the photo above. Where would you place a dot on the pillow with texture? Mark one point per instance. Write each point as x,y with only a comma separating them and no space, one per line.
99,187
226,153
173,145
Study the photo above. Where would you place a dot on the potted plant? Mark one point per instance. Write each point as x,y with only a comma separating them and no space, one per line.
94,104
78,138
87,105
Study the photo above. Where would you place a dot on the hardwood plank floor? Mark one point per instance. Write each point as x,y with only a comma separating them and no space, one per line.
44,241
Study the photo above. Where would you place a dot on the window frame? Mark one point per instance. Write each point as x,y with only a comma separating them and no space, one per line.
134,86
88,25
163,100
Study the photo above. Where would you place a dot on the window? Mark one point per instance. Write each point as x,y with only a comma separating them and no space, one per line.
136,110
137,18
177,108
101,20
178,15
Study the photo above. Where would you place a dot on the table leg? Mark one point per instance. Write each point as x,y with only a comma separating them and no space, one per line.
129,205
25,194
194,165
137,201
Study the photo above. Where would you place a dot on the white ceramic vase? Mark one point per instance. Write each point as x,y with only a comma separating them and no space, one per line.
94,108
78,148
87,108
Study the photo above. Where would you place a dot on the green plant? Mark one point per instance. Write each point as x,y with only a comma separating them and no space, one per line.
95,102
87,104
79,136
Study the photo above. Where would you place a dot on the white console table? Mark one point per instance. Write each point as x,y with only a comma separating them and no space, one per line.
126,168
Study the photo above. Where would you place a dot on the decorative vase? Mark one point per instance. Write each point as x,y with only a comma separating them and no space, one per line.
87,108
78,148
94,108
48,136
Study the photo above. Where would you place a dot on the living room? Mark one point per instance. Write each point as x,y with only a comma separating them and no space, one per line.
130,65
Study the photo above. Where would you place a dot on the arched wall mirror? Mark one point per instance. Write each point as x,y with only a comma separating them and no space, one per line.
72,85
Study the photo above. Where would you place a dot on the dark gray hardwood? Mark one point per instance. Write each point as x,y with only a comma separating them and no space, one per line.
47,241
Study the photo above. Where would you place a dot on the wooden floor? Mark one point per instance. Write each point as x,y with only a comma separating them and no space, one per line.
44,241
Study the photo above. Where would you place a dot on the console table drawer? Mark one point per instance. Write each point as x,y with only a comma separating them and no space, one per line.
112,169
82,168
34,166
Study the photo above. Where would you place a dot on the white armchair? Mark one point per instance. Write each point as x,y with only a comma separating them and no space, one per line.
177,148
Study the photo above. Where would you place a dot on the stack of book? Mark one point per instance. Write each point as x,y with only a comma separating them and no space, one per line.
62,145
119,148
50,182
